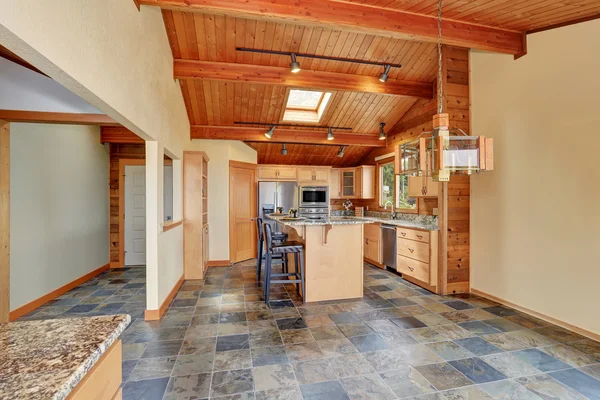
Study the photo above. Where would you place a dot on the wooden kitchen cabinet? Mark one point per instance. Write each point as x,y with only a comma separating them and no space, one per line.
417,256
348,183
415,187
372,246
313,176
277,172
335,188
358,183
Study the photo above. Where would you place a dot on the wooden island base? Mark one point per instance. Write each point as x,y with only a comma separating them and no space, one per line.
333,257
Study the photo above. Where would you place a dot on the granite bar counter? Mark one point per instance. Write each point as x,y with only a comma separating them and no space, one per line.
74,358
333,254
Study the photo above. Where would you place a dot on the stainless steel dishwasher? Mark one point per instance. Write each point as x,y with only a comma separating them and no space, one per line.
388,238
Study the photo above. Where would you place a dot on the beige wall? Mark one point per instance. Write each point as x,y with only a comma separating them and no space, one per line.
535,220
119,60
220,152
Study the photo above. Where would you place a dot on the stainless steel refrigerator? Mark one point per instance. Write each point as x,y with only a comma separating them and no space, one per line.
276,194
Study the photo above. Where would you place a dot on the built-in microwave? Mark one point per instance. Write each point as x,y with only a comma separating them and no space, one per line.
314,196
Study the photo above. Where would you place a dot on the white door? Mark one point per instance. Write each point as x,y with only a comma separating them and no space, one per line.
135,215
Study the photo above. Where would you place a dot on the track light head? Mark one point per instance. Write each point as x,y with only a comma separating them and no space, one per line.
385,74
295,65
330,135
341,152
283,150
382,135
269,133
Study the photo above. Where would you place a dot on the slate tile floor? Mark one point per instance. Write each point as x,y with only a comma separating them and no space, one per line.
220,340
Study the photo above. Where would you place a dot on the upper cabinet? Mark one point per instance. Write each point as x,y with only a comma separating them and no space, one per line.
419,186
352,183
276,173
313,176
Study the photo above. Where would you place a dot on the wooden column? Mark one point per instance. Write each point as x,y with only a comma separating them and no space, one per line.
4,221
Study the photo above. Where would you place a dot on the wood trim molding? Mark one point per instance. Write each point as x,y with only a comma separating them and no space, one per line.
167,226
562,324
261,74
219,263
122,163
244,165
27,308
359,18
251,134
119,134
4,221
156,315
43,117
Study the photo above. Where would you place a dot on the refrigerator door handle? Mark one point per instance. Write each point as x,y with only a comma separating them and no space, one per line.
275,200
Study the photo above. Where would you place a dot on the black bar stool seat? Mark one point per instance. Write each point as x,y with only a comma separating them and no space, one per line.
282,249
277,236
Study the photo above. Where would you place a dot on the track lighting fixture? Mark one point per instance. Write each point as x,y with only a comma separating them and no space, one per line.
385,74
269,133
382,135
295,65
341,152
283,150
330,135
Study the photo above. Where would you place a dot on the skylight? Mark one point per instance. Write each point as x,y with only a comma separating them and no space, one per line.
305,106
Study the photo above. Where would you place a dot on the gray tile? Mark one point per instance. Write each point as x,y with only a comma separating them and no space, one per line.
508,390
407,381
510,365
188,387
330,390
291,323
540,360
269,356
385,360
579,381
478,328
443,376
351,365
408,323
290,393
449,350
313,371
355,329
592,370
233,342
162,349
367,387
127,367
151,389
367,343
503,325
546,387
569,355
236,359
458,305
193,364
151,368
467,393
344,318
418,354
588,346
231,382
559,334
273,377
478,346
292,336
304,351
327,332
477,370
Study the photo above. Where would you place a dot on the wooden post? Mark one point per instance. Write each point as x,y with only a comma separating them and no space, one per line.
4,221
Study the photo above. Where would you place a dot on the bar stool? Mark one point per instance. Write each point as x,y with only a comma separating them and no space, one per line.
283,249
277,236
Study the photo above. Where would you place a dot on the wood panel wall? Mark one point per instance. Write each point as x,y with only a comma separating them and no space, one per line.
4,221
117,152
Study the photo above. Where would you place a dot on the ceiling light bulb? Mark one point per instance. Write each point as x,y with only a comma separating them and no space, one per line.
341,152
385,74
283,150
269,133
382,135
330,134
295,65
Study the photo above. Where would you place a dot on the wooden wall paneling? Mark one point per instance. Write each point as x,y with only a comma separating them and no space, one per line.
119,134
4,221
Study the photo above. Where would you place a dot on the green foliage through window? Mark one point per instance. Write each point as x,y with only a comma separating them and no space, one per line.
403,201
386,172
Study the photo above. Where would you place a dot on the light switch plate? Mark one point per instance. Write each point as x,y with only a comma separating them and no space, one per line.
435,211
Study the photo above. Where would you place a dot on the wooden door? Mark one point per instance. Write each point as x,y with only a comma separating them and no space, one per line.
334,184
135,215
242,211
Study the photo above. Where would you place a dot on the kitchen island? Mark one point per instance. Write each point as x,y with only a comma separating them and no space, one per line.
70,358
333,254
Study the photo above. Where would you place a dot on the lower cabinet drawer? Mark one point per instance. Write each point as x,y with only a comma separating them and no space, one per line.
412,249
412,234
414,268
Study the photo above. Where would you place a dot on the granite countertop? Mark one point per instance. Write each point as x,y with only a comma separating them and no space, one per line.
403,223
320,222
46,359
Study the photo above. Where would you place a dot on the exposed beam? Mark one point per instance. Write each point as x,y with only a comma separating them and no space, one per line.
190,69
119,134
43,117
10,56
249,134
358,18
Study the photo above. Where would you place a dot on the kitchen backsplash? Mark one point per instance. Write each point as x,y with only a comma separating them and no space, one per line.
422,219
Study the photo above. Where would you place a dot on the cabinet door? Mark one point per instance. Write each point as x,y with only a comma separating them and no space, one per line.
286,173
321,174
305,175
367,182
267,172
415,187
371,250
335,191
348,183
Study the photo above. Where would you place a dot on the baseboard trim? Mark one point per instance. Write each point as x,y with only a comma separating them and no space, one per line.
116,264
219,263
419,282
375,263
562,324
29,307
156,315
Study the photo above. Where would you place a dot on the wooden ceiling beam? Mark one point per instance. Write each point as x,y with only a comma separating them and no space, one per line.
250,134
358,18
119,134
203,70
43,117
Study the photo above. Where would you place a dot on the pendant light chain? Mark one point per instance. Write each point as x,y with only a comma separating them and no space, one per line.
440,89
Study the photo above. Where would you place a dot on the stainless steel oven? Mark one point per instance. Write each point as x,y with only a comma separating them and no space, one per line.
314,196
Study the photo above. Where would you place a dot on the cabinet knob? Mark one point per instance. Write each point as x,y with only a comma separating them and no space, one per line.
411,268
403,233
420,236
411,250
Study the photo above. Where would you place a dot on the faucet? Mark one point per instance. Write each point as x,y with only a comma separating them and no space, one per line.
393,214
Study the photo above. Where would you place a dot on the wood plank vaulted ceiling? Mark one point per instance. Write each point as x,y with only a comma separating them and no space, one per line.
196,33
